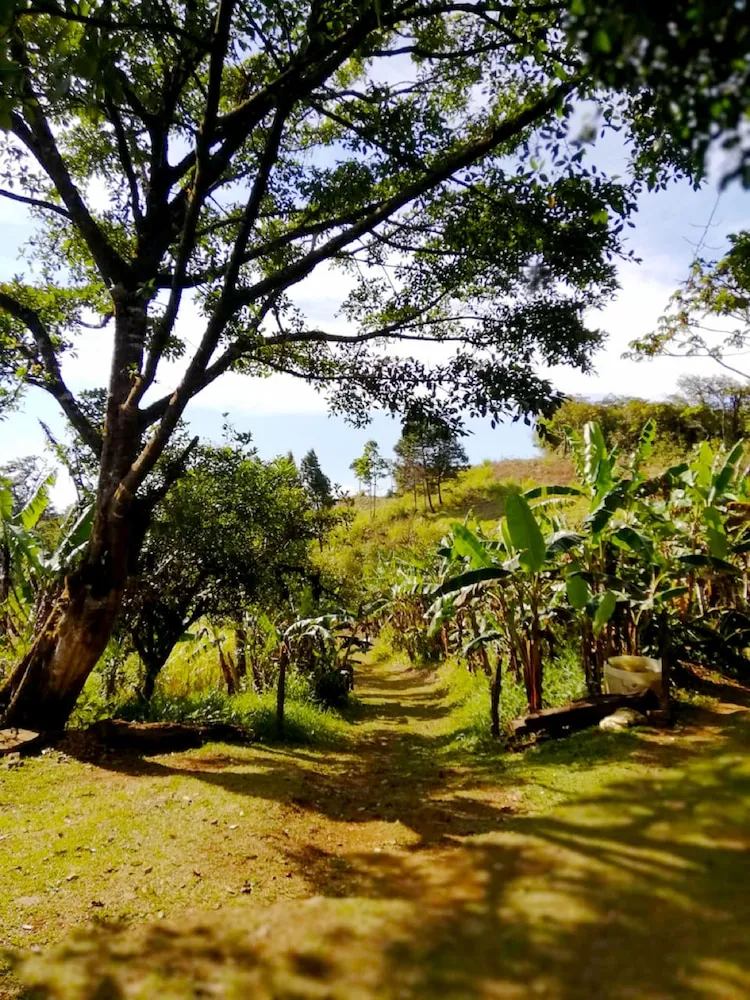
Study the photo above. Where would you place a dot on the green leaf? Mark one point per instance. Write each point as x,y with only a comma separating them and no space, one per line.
645,447
468,546
725,475
6,502
698,561
610,503
36,505
470,579
670,595
631,538
563,541
605,609
601,42
715,533
552,491
578,591
525,533
702,468
596,469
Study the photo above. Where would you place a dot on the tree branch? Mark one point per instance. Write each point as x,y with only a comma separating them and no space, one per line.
442,171
48,206
53,383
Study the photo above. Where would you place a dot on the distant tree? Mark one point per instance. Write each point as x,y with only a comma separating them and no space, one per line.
370,468
682,421
316,481
723,396
319,489
428,452
233,530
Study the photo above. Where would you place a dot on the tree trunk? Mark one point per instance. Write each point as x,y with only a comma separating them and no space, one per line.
281,693
42,690
228,668
240,650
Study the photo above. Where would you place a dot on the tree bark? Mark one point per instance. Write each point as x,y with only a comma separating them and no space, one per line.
281,693
42,690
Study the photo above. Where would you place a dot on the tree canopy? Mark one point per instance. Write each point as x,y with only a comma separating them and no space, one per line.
233,531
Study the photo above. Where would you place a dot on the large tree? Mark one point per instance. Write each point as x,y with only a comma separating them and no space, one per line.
216,153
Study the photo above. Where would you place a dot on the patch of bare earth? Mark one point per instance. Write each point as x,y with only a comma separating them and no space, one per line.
387,872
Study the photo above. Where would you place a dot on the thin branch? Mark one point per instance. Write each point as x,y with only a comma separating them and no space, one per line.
48,206
127,162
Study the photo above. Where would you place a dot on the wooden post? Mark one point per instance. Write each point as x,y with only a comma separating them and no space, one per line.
495,690
281,692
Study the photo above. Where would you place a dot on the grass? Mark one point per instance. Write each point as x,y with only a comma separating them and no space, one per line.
189,689
404,867
354,552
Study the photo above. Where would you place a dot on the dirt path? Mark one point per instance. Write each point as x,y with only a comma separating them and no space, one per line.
608,866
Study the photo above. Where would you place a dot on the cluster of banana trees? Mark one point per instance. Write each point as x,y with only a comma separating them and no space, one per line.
619,562
29,565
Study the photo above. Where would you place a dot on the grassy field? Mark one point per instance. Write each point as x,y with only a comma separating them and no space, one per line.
399,865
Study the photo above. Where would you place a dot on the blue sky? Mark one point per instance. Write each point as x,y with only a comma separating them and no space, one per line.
285,415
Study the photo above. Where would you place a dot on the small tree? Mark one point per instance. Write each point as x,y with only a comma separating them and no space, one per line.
233,530
316,481
318,487
369,469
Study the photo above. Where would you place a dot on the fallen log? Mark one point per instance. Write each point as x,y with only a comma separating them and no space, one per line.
163,737
581,714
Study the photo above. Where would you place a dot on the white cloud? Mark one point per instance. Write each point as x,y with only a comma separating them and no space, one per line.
636,310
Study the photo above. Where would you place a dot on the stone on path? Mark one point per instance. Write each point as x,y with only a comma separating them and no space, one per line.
623,718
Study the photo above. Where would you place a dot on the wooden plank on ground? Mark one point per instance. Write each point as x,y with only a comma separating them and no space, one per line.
580,714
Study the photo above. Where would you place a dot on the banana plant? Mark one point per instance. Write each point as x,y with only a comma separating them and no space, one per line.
21,555
512,578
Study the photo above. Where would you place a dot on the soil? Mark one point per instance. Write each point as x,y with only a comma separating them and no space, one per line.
606,865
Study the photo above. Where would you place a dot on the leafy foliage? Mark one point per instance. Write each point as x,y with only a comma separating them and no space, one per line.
640,558
714,292
234,532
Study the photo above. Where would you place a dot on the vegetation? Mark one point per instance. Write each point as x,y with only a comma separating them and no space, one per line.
236,151
186,169
712,408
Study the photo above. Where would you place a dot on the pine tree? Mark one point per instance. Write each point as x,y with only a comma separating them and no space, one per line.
316,481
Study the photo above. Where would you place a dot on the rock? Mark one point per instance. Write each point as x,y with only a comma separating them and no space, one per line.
623,718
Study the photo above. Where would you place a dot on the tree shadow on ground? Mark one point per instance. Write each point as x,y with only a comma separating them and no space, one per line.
638,891
400,776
